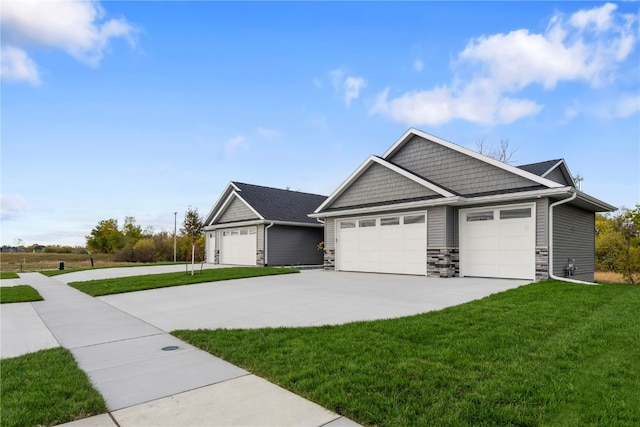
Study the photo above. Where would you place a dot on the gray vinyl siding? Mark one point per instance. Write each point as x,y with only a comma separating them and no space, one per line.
455,171
542,222
574,237
452,227
380,184
556,175
236,211
330,234
288,245
436,227
260,237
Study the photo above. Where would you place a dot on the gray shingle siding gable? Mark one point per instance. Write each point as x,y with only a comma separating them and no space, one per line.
380,184
456,171
574,237
556,175
236,211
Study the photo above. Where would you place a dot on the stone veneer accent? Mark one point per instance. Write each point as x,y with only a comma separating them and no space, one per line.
542,263
329,259
443,262
260,258
216,256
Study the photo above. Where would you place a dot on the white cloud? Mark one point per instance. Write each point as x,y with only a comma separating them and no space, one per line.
418,65
77,27
268,134
15,66
588,47
627,106
232,146
348,86
11,206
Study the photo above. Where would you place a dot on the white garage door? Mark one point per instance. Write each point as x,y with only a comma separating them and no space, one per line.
498,242
383,244
238,246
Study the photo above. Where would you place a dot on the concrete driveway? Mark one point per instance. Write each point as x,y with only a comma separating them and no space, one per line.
310,298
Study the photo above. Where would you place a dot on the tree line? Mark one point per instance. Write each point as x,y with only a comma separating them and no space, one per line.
131,243
618,243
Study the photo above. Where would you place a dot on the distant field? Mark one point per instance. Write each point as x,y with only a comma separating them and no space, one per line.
29,261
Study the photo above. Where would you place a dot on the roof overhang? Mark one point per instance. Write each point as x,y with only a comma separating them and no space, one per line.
582,200
231,192
261,221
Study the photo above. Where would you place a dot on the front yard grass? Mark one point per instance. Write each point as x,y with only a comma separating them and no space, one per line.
8,275
46,388
18,293
549,353
153,281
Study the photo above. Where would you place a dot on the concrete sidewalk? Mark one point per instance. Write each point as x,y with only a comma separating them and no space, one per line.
144,385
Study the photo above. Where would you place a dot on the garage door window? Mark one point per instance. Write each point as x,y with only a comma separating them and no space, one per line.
347,224
515,213
367,223
244,232
480,216
390,221
414,219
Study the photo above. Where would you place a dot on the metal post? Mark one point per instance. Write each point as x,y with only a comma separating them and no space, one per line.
175,228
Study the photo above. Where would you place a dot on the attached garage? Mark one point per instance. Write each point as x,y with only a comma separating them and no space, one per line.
393,243
238,246
498,242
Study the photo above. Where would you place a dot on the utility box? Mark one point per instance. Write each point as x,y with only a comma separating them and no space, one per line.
61,265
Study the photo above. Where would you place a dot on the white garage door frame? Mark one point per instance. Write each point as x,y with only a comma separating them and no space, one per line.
211,247
238,246
392,243
498,241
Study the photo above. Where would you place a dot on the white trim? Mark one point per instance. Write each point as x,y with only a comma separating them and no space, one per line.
261,221
384,208
517,171
227,202
382,162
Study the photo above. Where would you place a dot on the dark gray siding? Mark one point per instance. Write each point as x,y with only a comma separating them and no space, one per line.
455,171
236,211
574,237
380,184
289,245
556,175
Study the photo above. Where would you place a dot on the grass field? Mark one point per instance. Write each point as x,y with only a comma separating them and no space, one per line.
153,281
46,388
29,262
19,293
550,353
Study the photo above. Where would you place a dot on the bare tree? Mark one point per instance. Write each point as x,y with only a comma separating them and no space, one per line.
503,154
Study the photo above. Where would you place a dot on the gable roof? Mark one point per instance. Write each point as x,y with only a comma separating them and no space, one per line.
546,179
269,204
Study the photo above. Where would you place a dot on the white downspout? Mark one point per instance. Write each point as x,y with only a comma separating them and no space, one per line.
551,275
266,243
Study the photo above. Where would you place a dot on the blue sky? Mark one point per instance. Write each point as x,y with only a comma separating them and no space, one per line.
114,109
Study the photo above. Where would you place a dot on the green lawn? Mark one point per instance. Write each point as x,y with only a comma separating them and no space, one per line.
8,275
550,353
46,388
138,283
19,293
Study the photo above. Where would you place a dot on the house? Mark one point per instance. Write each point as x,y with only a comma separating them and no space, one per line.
256,225
430,207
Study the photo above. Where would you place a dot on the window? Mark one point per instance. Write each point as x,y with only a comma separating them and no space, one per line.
515,213
226,233
244,232
414,219
347,224
480,216
367,223
252,231
395,220
234,232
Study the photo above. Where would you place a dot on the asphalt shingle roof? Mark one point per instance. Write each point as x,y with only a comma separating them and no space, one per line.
539,168
275,204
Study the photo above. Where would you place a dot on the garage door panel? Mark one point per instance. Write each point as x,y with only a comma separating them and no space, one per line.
390,248
498,242
239,246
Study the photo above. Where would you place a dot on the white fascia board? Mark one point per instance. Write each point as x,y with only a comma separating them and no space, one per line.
216,206
536,194
517,171
338,191
228,201
412,177
384,208
261,221
606,207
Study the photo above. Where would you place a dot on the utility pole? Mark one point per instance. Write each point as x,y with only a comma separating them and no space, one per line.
175,229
